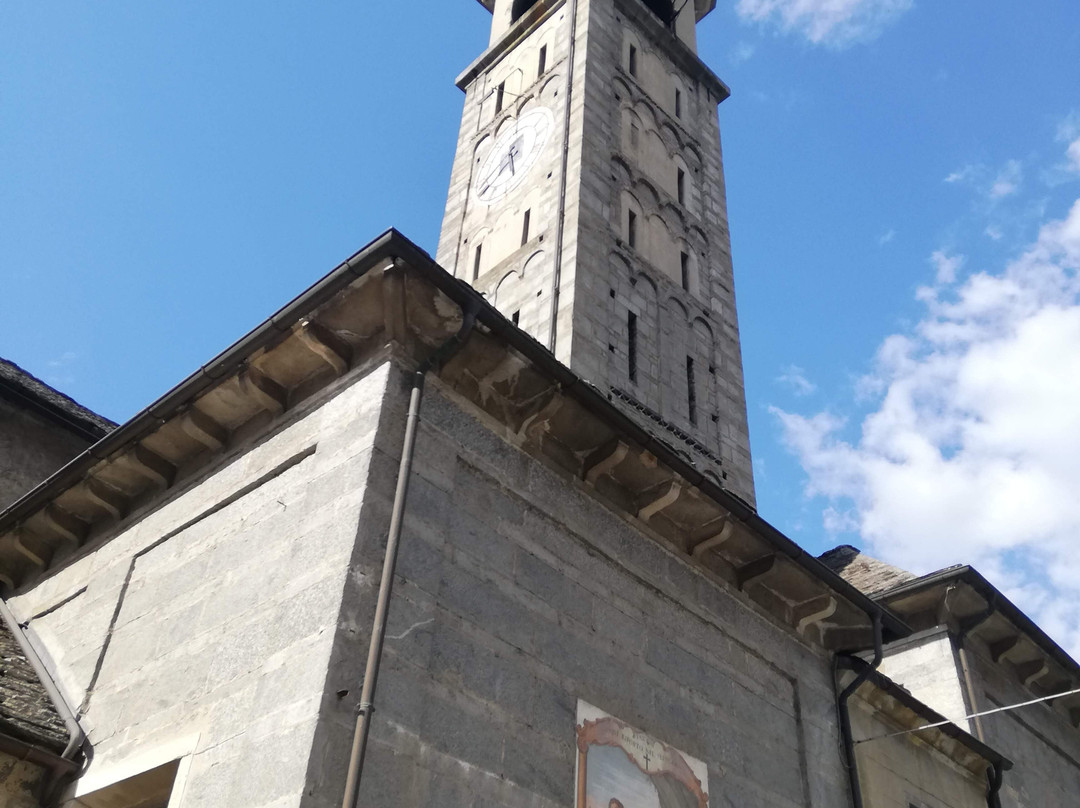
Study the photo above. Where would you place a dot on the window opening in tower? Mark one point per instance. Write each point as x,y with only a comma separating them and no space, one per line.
520,7
691,392
664,9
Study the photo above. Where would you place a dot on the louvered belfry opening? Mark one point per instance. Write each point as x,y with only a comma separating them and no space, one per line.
520,7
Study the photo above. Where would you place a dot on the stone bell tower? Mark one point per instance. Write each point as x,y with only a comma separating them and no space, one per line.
587,203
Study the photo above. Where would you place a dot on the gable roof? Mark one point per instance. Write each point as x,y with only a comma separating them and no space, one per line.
27,391
863,571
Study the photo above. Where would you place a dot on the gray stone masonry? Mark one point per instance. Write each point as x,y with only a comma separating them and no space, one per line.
232,621
516,595
31,448
627,143
1044,748
208,621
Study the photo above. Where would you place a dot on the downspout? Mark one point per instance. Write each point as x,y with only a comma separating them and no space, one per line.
560,222
845,717
378,632
965,668
994,775
66,766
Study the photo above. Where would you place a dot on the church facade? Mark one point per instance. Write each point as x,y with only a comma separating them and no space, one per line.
479,531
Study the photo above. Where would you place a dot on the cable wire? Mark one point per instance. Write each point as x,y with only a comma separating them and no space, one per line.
973,715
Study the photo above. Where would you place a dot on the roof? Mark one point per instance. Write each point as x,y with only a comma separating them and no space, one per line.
28,391
976,608
910,713
862,571
972,607
26,712
391,296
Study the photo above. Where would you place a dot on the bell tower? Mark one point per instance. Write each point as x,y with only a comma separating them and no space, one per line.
587,203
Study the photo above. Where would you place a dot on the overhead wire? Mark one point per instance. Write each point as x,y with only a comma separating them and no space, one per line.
972,715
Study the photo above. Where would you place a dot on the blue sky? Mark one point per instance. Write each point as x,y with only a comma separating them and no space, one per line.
901,182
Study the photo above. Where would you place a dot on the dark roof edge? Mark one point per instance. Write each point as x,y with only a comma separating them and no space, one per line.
38,755
85,423
393,245
883,682
994,599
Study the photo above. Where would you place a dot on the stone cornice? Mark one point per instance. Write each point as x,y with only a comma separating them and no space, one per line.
392,295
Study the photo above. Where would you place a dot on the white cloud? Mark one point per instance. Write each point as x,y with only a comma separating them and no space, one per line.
887,237
1072,155
972,451
962,174
825,22
794,377
742,52
946,266
1007,181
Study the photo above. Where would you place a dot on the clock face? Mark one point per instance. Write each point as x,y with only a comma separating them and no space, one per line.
513,154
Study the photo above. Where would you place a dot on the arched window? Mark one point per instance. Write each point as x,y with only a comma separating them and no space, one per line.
519,8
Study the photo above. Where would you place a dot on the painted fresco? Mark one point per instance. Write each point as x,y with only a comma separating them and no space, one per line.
619,766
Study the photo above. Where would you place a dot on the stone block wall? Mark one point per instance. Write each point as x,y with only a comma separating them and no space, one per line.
903,772
1040,741
517,594
31,448
926,665
207,622
20,782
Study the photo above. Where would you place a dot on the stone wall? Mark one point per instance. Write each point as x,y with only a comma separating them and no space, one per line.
904,772
232,622
1040,741
603,274
20,781
518,594
31,448
926,665
208,620
612,277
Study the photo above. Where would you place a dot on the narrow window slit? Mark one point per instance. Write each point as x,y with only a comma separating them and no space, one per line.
691,392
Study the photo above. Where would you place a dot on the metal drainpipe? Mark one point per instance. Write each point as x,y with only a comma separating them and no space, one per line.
378,631
845,717
994,775
76,736
560,224
965,667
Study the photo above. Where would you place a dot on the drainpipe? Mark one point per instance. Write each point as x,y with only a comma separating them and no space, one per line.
845,717
966,628
993,794
65,767
378,631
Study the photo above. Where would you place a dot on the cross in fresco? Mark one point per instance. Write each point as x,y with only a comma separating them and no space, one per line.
647,759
